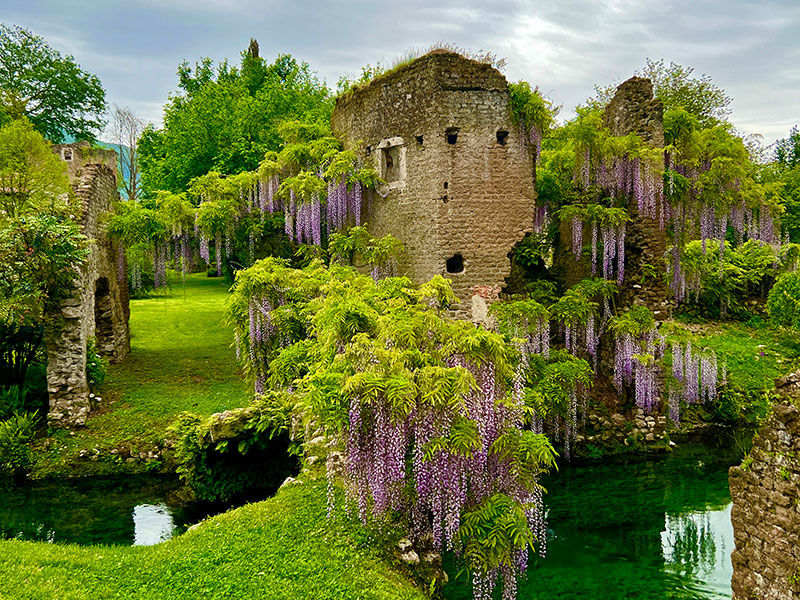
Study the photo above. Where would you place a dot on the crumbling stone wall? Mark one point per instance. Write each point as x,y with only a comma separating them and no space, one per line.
633,109
99,305
460,176
766,511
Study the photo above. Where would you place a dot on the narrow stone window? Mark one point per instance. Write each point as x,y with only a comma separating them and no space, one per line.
67,154
451,133
391,163
419,140
445,185
455,264
502,137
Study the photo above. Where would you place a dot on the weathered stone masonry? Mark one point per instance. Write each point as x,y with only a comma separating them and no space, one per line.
766,509
98,306
460,176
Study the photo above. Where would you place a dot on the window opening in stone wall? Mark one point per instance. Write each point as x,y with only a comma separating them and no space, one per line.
103,323
67,154
455,264
419,140
451,133
502,137
445,185
390,158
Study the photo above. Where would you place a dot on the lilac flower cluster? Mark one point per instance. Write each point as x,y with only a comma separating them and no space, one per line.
160,265
694,377
635,363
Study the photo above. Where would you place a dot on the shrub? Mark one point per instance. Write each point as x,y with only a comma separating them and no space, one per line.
245,451
96,365
784,301
15,434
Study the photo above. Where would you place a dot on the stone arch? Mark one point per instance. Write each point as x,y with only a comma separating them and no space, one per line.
103,321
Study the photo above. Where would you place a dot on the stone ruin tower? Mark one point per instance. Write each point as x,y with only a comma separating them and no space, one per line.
98,306
634,109
460,176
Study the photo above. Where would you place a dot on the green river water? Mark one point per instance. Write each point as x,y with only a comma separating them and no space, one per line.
618,530
643,529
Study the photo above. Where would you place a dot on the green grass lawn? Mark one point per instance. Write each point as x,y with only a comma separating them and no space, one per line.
181,360
282,548
754,356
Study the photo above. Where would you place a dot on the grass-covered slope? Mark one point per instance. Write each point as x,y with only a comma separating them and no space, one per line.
283,548
181,360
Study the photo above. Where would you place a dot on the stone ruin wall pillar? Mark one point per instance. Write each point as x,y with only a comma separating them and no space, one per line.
633,109
97,307
765,491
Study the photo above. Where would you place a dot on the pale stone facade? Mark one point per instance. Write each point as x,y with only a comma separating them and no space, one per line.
99,305
460,177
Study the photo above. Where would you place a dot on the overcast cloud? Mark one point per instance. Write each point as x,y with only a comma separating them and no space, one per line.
749,48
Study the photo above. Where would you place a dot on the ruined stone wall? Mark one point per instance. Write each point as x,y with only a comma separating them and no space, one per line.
98,306
633,109
473,197
766,512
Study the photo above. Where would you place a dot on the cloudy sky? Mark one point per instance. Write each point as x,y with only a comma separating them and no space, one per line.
750,48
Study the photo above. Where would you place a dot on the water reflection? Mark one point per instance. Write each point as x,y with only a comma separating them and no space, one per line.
152,524
698,546
649,529
120,511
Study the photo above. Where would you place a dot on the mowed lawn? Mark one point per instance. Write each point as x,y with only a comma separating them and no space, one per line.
283,548
181,359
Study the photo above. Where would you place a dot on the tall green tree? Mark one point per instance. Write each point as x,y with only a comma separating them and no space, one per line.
51,90
32,177
225,118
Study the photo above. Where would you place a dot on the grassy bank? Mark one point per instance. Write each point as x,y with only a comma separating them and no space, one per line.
181,360
283,548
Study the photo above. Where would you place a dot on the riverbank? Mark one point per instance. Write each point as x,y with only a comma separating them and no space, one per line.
284,547
181,360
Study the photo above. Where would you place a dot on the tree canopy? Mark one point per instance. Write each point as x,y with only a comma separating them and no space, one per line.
40,242
225,118
51,90
31,175
675,86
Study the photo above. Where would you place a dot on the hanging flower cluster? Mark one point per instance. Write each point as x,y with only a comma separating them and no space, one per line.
610,223
428,410
694,377
638,348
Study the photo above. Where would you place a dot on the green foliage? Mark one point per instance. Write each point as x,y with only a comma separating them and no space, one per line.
552,381
225,118
16,433
530,108
636,321
38,255
32,177
51,90
493,533
220,461
582,301
96,365
787,150
722,287
784,301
